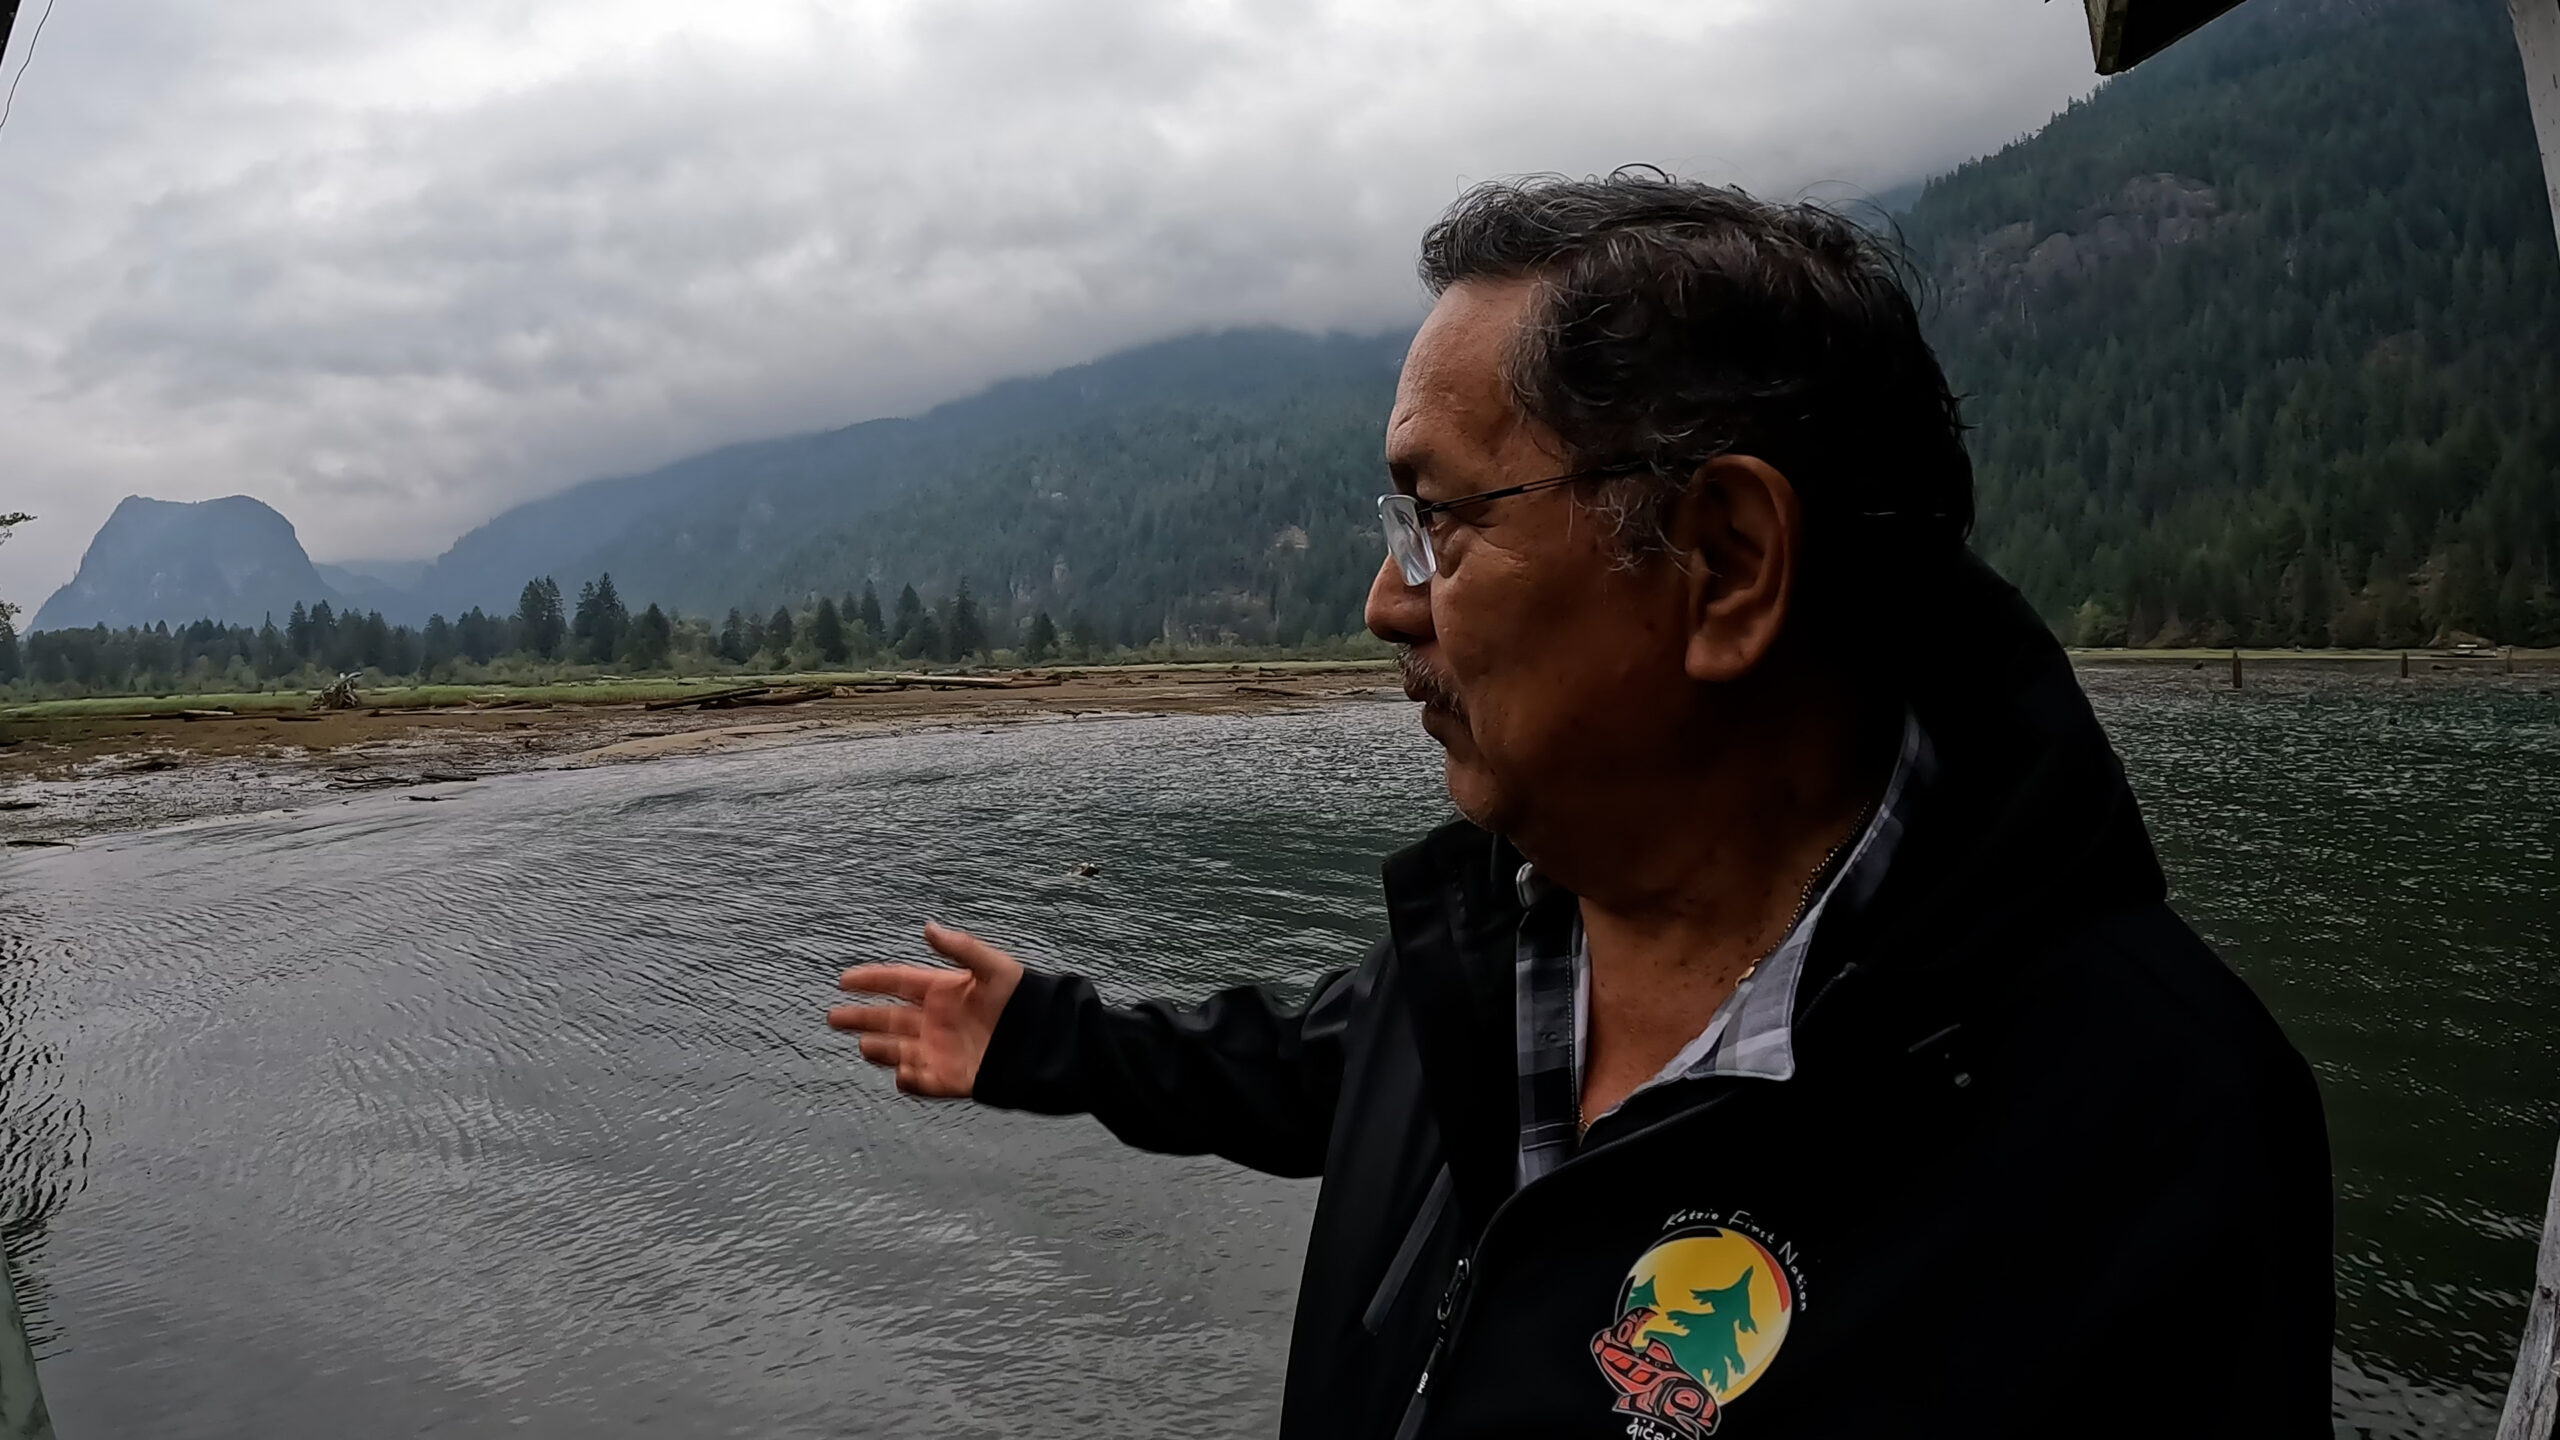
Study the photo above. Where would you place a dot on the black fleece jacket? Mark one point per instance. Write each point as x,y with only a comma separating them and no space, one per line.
2046,1166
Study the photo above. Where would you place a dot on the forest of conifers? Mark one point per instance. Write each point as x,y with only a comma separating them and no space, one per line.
2311,397
539,639
2258,343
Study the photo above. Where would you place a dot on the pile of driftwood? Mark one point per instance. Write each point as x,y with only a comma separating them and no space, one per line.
744,695
341,695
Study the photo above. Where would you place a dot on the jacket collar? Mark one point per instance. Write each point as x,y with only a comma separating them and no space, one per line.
2028,828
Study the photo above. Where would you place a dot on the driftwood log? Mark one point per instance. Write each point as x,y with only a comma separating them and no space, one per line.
745,695
798,695
965,682
2533,1397
740,692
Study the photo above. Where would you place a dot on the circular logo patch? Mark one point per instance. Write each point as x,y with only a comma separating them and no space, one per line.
1700,1317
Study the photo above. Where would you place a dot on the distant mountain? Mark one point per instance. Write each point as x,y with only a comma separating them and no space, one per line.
390,574
1117,457
385,586
232,559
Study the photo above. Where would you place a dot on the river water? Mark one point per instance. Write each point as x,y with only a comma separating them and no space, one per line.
513,1112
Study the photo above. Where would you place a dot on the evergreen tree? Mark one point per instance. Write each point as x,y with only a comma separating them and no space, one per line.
600,622
910,615
868,611
582,623
539,624
777,635
297,631
1043,640
826,632
923,638
323,630
650,640
274,656
732,645
10,665
968,629
480,637
1082,637
613,622
438,646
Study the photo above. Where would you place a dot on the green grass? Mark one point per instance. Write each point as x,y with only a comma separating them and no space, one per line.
602,690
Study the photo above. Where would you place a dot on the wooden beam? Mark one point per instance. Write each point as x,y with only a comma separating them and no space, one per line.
2537,25
2124,33
2533,1397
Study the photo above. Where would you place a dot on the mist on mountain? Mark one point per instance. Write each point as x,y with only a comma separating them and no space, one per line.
2258,343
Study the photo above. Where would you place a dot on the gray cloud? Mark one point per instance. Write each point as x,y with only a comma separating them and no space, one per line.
393,269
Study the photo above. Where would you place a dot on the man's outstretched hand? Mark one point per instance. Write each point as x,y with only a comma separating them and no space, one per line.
937,1033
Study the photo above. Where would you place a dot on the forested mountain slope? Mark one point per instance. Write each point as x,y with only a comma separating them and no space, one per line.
1104,484
2260,339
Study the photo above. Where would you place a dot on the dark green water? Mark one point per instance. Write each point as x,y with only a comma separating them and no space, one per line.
513,1113
2381,859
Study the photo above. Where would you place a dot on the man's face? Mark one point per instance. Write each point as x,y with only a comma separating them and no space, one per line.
1551,676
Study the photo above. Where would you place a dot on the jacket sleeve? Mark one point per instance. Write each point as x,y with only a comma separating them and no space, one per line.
1238,1075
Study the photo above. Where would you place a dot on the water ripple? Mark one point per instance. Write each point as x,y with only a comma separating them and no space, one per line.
395,1119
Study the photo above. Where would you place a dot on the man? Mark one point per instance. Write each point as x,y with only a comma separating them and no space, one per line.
1793,1041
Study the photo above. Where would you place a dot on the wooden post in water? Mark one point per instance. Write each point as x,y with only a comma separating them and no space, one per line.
2533,1397
2235,667
2404,664
22,1412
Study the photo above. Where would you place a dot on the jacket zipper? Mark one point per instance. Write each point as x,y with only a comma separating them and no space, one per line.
1449,1299
1452,1312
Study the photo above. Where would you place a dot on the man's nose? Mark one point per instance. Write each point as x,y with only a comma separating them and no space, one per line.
1398,613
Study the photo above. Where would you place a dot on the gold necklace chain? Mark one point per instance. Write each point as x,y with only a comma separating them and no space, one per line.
1813,882
1804,902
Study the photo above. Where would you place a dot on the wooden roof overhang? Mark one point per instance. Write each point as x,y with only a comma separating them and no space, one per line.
2124,33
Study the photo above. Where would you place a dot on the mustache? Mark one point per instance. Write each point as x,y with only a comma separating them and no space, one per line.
1425,684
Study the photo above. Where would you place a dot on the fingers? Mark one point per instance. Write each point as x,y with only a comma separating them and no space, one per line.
967,951
898,982
877,1019
905,1056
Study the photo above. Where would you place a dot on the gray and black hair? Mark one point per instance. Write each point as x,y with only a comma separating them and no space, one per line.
1676,321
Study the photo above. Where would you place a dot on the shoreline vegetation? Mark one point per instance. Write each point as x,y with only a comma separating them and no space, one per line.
72,769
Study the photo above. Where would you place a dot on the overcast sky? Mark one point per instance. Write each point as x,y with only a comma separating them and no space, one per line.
392,268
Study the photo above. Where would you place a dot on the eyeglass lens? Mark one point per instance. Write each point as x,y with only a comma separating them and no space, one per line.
1407,542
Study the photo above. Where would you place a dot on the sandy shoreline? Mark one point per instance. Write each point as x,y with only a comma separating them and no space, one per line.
63,780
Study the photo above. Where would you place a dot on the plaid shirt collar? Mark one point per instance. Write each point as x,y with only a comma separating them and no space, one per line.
1751,1034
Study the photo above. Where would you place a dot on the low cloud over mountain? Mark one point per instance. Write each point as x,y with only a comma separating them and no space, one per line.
393,269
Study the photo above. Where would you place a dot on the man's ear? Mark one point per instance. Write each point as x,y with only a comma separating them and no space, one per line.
1735,532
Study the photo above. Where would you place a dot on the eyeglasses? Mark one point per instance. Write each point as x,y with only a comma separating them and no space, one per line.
1409,538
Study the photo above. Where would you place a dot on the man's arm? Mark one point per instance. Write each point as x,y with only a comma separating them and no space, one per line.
1239,1075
